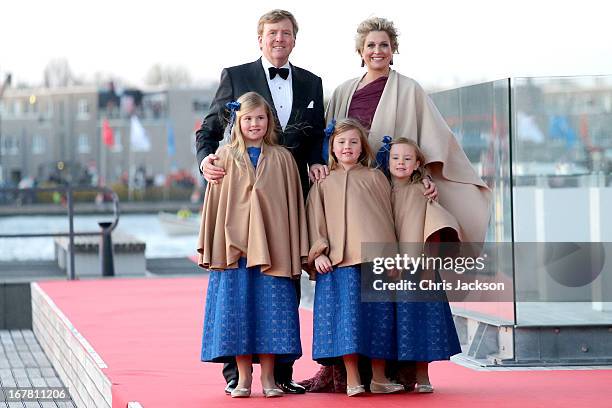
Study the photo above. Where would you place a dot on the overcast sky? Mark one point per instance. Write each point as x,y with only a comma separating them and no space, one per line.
442,43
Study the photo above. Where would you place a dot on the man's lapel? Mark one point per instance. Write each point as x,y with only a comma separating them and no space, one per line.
261,86
298,104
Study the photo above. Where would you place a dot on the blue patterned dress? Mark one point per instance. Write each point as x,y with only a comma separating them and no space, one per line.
250,313
425,329
345,325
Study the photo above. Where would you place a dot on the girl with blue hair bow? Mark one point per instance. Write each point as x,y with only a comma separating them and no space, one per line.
253,239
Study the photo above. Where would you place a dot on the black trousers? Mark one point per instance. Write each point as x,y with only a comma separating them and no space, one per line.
283,372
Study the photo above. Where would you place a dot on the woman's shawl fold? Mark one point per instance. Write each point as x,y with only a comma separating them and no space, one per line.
416,217
405,110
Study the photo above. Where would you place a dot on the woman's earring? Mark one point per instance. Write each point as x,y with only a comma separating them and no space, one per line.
362,63
391,62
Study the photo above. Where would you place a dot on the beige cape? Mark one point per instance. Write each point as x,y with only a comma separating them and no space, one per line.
405,110
346,209
255,212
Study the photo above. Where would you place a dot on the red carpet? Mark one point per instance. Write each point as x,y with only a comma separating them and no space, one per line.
148,331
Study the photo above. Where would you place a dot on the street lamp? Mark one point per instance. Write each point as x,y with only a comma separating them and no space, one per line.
5,84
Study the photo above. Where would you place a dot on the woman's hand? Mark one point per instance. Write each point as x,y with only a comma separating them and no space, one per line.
431,191
323,264
393,274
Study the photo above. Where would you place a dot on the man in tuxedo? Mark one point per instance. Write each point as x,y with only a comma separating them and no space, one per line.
296,96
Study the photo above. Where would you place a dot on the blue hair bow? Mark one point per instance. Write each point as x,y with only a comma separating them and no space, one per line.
382,156
329,130
233,107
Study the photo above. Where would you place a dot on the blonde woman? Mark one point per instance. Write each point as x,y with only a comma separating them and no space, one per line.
386,102
389,103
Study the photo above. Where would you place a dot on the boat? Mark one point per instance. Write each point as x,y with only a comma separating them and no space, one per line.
181,223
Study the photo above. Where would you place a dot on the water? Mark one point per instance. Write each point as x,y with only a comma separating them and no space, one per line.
143,226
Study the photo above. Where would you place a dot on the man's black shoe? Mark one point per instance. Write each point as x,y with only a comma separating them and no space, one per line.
230,386
291,387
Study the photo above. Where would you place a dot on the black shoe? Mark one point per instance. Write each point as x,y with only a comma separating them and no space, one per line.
231,385
291,387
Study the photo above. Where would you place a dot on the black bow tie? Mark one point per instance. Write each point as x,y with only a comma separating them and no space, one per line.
282,72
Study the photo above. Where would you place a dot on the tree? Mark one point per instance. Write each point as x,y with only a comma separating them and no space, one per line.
57,73
168,75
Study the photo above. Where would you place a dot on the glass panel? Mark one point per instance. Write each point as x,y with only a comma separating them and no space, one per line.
479,116
562,158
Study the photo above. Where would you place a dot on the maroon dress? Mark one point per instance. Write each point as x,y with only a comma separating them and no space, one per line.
333,378
365,101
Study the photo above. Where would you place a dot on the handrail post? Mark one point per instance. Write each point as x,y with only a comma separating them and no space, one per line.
69,198
105,234
107,264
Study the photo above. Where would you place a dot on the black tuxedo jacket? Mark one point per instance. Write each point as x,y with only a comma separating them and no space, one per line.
303,135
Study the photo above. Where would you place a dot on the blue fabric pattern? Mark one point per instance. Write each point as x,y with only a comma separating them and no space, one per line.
345,325
254,153
248,312
425,331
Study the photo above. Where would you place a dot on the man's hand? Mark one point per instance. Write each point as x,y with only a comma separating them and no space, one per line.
212,173
318,172
431,191
323,264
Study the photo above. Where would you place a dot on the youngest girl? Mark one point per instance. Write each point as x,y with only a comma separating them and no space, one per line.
425,329
253,238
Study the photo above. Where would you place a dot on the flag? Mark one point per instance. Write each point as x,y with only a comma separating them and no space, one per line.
139,141
171,145
108,138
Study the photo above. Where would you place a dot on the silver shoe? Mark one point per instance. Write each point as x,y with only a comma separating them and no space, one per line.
424,388
273,392
385,388
355,391
241,392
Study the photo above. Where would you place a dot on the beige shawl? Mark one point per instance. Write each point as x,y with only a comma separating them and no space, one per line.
346,209
405,110
255,212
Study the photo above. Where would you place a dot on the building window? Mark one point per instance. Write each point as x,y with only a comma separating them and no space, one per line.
607,102
49,113
118,146
10,145
60,112
39,144
155,105
83,145
17,108
30,105
83,109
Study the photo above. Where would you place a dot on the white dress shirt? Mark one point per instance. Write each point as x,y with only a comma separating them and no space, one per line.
282,92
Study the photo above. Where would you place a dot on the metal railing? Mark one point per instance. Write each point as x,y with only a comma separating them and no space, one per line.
69,190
